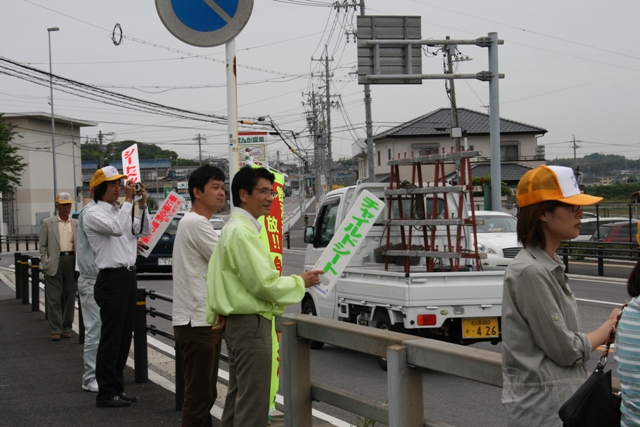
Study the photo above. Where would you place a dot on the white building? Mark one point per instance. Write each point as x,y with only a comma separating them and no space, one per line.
430,133
34,200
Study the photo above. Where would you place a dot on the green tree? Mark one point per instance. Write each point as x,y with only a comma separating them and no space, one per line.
617,193
504,188
185,162
113,150
11,164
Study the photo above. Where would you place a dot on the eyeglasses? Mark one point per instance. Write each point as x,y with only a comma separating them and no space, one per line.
574,208
266,192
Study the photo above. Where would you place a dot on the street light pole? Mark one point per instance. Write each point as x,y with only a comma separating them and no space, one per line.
53,122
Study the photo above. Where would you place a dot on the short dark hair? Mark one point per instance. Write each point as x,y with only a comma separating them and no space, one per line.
633,282
98,192
246,179
201,176
529,228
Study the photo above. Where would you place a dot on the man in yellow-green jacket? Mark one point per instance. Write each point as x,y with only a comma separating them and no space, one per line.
246,290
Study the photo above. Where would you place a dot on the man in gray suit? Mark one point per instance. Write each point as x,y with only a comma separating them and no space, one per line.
57,254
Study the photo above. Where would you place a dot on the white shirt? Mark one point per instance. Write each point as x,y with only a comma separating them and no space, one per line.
253,219
66,234
192,248
109,232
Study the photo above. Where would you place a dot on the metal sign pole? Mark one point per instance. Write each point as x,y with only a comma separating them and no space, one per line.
494,124
232,109
207,24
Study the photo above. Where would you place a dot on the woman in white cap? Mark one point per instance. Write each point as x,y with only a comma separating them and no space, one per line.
544,352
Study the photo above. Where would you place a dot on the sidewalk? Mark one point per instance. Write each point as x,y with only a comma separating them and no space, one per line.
40,380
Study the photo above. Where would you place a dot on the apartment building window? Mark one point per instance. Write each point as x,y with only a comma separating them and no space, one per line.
425,148
509,152
378,158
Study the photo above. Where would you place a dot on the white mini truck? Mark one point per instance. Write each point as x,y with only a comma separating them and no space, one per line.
461,306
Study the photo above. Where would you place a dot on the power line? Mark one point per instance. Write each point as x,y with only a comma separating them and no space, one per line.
33,75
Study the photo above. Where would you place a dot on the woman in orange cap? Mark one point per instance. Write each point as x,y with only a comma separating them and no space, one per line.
544,352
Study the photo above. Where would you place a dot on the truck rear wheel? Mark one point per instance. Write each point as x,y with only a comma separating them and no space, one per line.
308,307
383,322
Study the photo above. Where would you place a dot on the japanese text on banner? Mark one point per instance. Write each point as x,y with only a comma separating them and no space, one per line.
347,240
131,163
161,221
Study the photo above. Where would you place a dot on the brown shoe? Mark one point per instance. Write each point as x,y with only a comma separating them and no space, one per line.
67,334
55,337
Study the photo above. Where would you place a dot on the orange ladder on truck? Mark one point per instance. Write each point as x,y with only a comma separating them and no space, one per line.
415,195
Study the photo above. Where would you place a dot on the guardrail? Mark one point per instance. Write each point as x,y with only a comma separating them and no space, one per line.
600,251
12,242
27,269
406,356
140,329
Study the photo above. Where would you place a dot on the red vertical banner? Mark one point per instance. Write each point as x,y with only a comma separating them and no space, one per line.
273,224
272,236
131,163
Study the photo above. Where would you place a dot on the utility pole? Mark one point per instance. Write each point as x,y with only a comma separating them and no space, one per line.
328,127
200,138
576,168
101,161
575,146
450,51
371,167
316,148
327,115
73,157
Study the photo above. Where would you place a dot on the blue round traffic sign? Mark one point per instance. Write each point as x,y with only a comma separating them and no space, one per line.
204,23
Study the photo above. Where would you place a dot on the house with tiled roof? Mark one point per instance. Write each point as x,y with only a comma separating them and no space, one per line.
519,150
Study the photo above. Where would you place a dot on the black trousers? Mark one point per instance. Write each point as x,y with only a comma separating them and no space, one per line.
115,293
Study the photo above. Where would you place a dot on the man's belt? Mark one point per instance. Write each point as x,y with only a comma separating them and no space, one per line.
68,253
125,268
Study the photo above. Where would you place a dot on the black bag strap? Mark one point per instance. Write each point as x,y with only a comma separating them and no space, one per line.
611,339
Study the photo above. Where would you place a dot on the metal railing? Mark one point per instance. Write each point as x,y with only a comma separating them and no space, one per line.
140,329
27,269
12,242
406,356
600,251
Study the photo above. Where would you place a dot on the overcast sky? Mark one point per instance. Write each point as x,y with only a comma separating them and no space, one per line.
572,67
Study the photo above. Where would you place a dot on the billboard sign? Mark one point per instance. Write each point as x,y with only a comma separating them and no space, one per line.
253,144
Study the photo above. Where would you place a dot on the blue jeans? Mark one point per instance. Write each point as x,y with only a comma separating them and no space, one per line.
92,324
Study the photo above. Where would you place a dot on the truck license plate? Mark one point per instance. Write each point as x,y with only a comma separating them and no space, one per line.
486,327
164,261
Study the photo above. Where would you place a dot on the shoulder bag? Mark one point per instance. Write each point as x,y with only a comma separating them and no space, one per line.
594,403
